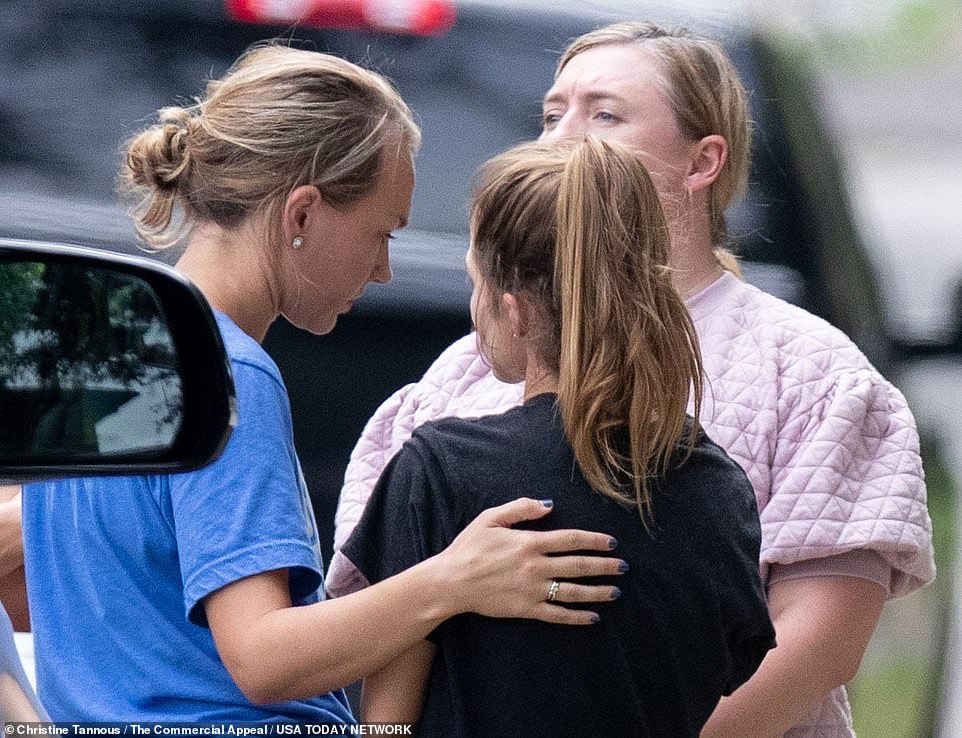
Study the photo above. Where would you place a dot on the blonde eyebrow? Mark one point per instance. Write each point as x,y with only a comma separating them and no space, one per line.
592,96
552,97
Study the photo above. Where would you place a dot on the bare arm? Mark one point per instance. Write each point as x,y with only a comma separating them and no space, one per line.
395,694
489,568
823,626
13,586
11,536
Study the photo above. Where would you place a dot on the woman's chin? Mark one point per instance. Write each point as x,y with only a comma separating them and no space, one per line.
507,377
317,325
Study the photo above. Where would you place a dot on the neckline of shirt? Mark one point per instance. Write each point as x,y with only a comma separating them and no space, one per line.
704,301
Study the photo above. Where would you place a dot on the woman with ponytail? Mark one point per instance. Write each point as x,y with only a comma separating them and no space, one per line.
573,297
830,446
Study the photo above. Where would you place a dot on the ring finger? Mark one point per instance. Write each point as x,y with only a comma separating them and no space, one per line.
571,592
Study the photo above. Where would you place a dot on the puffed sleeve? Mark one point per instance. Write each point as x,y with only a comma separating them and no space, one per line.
846,475
382,437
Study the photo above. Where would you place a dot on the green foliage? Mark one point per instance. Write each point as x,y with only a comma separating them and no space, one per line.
92,325
19,284
76,343
888,702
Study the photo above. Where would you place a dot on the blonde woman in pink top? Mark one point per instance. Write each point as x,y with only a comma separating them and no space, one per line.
829,445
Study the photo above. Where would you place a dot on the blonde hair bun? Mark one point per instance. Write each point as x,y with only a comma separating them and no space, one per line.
158,156
279,119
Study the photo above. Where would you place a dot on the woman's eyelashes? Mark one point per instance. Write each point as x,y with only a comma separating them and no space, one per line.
550,119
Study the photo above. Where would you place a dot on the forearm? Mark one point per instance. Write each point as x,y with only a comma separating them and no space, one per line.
321,647
823,625
13,595
13,585
275,652
787,687
395,694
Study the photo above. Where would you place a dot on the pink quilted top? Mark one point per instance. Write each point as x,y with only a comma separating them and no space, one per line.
830,446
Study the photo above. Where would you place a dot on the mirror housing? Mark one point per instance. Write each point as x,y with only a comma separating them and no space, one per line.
109,365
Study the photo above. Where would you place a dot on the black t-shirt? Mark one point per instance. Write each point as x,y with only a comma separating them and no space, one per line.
692,622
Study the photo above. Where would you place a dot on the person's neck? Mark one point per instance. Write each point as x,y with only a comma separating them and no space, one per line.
538,380
694,265
690,282
230,271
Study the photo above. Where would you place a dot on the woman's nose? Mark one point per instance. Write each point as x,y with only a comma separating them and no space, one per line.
382,269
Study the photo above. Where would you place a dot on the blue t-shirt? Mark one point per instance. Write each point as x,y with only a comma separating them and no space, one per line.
117,569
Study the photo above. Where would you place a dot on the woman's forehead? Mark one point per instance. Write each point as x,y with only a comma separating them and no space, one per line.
625,70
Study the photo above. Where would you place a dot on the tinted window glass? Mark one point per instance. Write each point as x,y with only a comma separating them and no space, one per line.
87,364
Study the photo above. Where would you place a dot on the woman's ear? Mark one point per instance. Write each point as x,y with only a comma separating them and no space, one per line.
708,157
299,208
516,310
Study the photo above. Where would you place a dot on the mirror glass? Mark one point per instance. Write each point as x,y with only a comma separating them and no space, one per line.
88,367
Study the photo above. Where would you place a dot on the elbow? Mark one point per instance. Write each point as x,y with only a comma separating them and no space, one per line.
262,694
838,666
265,686
256,683
256,691
847,669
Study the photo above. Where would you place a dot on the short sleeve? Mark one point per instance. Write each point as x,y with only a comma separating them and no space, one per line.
847,475
412,514
748,655
728,532
859,564
248,512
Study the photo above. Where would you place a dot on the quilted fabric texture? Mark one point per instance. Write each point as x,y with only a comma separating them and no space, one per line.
829,445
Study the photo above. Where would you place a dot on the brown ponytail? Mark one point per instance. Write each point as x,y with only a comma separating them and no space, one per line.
629,351
579,230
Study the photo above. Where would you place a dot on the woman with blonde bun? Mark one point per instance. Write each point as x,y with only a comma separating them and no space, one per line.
197,596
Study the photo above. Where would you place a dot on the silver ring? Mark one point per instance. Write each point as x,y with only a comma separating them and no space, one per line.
553,590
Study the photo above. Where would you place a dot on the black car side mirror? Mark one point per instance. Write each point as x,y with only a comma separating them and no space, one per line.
109,364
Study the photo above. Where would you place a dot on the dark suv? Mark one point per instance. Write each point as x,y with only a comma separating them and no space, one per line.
80,77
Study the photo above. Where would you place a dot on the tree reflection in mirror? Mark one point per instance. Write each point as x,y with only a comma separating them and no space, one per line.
87,364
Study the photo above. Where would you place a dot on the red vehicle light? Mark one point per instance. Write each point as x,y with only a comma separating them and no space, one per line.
414,17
